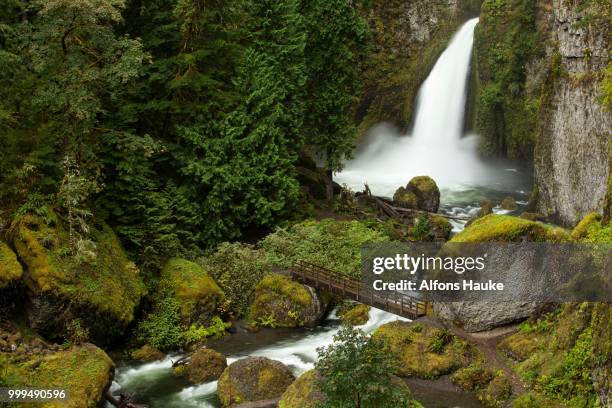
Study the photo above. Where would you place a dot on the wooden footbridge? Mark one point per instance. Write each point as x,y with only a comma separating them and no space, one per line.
398,303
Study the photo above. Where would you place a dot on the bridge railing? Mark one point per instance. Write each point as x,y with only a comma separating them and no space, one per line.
398,303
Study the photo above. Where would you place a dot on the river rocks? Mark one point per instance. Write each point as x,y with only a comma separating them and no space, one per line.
147,353
282,302
94,286
202,366
10,268
509,204
303,392
354,314
405,198
253,379
424,351
84,371
426,191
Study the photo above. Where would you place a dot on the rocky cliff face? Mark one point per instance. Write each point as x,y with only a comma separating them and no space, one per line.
408,37
539,69
572,159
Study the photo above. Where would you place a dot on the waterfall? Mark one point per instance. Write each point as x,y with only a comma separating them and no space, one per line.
435,146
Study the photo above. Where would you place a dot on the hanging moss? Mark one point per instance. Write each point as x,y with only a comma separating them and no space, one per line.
10,268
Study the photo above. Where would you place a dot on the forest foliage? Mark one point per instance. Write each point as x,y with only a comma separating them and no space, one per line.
178,122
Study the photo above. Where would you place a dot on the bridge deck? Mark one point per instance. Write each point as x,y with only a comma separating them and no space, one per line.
324,279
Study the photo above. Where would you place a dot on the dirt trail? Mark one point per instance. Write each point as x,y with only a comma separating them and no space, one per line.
487,343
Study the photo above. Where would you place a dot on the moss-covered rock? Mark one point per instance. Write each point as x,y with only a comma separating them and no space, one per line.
84,371
10,268
497,392
253,379
147,353
425,351
94,283
405,198
303,392
426,191
505,228
354,314
440,227
519,346
472,378
508,203
203,365
186,307
283,302
486,208
581,230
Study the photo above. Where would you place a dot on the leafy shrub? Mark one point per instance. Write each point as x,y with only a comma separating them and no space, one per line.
421,228
439,341
237,268
329,243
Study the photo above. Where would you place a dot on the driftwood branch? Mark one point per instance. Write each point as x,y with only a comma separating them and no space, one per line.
123,401
399,212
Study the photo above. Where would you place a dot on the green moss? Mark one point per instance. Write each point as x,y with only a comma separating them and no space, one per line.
186,306
420,351
354,314
505,228
581,230
440,227
283,302
10,268
405,198
497,392
564,352
99,282
147,353
204,365
472,378
303,392
334,244
84,371
533,400
253,379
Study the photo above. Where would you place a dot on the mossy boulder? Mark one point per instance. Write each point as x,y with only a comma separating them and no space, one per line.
253,379
426,191
94,283
147,353
506,228
486,208
425,351
282,302
303,392
497,392
354,314
186,307
196,292
10,268
472,378
405,198
440,227
509,204
84,371
203,365
581,230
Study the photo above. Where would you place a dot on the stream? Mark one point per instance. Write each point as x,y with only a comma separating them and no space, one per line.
436,146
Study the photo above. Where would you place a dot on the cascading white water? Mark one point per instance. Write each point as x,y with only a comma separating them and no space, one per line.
435,146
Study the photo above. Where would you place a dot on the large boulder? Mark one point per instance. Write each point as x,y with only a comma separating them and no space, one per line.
425,351
405,198
94,285
203,365
186,307
303,392
475,316
353,313
10,268
84,371
253,379
426,191
282,302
